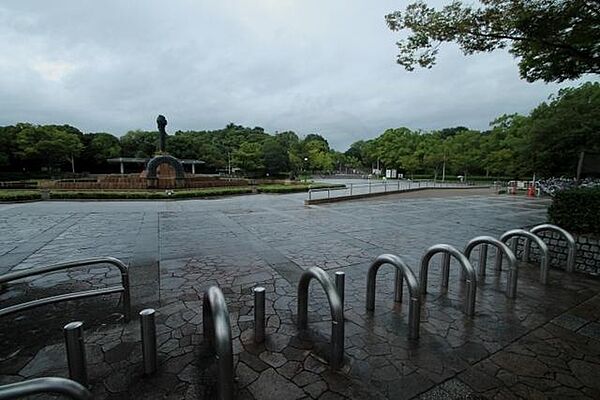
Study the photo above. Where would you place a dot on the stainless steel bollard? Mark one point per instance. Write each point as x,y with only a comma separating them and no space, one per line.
340,283
259,314
76,352
483,251
148,328
445,263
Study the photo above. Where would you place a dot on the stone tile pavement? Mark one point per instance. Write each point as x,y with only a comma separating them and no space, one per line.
544,344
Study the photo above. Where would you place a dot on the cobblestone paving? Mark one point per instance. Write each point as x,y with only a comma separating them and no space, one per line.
543,344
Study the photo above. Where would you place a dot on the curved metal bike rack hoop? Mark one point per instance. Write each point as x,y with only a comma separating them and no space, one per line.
217,331
124,288
467,269
501,248
566,235
31,387
402,271
335,304
514,235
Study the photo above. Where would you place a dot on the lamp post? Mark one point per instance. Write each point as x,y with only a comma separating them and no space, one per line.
305,168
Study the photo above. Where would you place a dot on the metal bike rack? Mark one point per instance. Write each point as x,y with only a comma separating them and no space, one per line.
501,248
123,288
566,235
402,271
31,387
514,235
217,332
467,269
335,304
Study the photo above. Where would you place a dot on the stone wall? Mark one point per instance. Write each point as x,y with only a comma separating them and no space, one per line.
587,257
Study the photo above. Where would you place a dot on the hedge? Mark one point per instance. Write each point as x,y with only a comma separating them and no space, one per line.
577,210
293,188
19,195
99,195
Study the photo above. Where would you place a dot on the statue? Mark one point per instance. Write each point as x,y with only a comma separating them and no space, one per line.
161,121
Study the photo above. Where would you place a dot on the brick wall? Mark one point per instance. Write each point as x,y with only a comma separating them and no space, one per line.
587,257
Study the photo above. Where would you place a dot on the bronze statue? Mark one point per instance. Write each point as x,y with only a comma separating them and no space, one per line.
161,121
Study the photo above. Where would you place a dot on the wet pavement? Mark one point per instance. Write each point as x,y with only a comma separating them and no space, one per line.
543,344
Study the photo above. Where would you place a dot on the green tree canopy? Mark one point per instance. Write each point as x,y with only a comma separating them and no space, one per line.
555,40
48,144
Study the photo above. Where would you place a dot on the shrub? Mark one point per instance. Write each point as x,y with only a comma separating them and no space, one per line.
19,195
147,195
577,210
294,188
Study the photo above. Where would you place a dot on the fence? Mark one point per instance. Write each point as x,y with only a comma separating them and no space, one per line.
378,187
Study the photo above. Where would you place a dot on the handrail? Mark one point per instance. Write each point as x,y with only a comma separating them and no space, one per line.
217,332
335,304
501,248
514,234
467,268
12,276
402,271
30,387
566,235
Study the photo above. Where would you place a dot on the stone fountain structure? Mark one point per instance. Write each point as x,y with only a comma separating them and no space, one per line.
163,171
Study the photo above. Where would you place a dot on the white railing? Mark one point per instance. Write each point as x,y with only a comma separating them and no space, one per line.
356,189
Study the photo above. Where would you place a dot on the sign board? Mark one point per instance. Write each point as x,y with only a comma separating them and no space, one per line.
391,173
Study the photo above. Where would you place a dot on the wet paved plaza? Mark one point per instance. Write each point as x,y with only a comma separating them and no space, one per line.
543,344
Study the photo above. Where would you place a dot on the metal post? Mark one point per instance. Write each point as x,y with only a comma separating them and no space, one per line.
76,352
446,270
369,186
483,251
340,283
328,193
351,189
398,181
398,282
385,186
148,328
259,314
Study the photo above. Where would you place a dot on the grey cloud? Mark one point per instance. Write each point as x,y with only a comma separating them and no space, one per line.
309,66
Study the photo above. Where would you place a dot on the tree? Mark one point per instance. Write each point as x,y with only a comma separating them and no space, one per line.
562,128
555,40
276,159
141,144
249,157
48,144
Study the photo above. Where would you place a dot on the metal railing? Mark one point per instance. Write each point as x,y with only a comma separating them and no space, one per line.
31,387
501,248
467,270
217,332
355,189
123,288
335,304
514,235
566,235
402,271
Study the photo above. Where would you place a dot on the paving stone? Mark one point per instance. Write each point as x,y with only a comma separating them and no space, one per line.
275,360
49,358
526,347
272,386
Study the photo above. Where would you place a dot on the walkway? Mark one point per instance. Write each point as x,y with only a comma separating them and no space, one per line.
545,344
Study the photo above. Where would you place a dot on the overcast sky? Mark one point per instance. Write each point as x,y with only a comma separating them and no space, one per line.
310,66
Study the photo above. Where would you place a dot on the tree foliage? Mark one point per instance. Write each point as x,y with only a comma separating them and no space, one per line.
554,40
